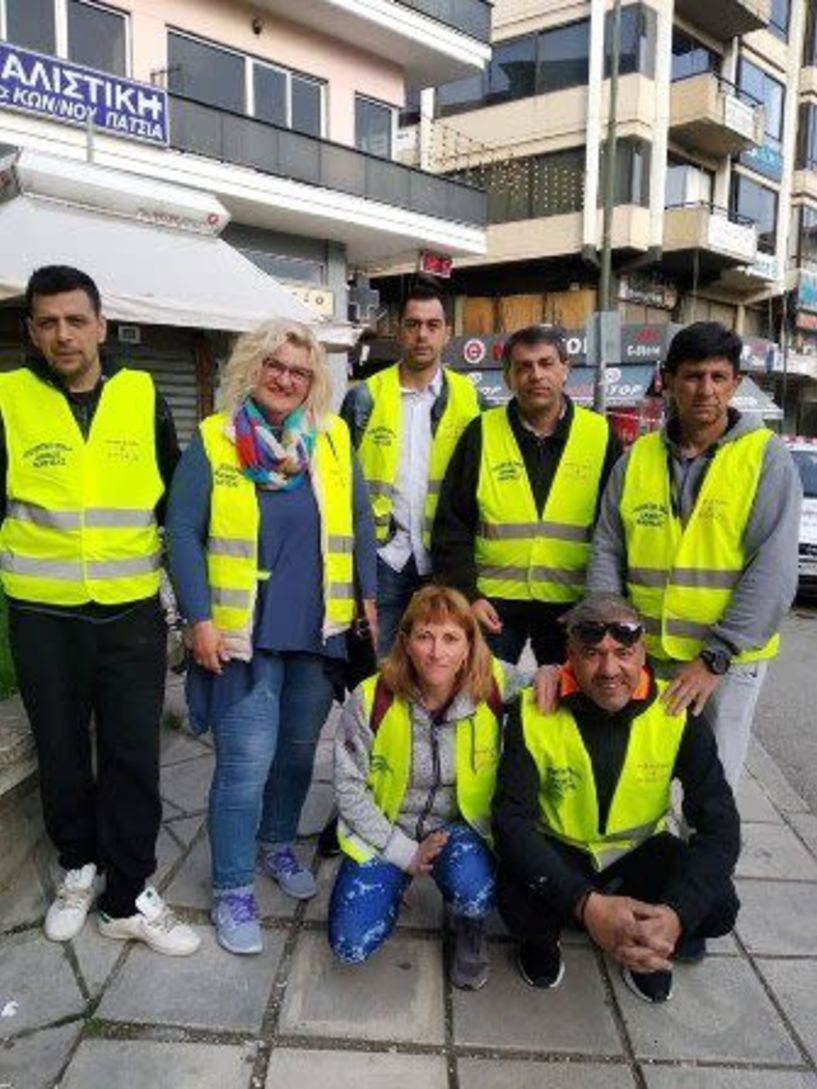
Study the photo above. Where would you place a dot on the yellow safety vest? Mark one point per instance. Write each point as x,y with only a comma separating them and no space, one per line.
681,578
477,744
519,555
379,450
80,521
232,545
567,789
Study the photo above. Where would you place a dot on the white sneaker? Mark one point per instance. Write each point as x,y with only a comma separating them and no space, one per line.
155,924
66,916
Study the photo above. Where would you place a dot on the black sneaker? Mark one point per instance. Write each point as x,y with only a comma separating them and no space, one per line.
649,986
690,950
540,964
328,845
469,966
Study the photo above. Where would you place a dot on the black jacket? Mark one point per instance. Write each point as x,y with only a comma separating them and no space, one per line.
708,807
455,523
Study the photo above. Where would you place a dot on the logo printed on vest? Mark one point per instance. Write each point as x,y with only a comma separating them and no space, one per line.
227,475
382,436
714,510
380,766
47,455
650,514
123,450
575,470
651,771
559,781
507,470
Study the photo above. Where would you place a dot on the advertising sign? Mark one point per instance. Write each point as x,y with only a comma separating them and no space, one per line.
806,291
70,93
765,160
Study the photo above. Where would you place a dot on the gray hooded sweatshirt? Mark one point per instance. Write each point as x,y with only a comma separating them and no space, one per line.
768,583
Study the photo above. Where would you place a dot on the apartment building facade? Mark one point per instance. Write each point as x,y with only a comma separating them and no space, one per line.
715,190
242,135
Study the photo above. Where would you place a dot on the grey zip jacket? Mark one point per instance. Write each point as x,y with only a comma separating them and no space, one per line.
430,801
768,583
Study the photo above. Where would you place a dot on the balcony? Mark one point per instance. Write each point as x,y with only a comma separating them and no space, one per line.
433,41
804,180
244,141
725,19
763,274
701,240
708,114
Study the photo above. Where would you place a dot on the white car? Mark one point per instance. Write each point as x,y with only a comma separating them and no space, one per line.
804,452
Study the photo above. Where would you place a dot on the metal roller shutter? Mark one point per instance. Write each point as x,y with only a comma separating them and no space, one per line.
175,376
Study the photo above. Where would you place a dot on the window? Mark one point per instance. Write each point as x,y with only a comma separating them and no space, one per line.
204,72
30,24
218,77
769,92
637,45
687,184
690,57
563,57
779,19
532,188
512,71
807,236
373,127
97,37
810,37
632,181
807,137
758,204
411,111
552,60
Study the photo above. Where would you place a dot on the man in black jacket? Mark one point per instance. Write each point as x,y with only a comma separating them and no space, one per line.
580,814
519,501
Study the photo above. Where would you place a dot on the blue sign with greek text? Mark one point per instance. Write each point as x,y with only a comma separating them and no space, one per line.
765,160
62,91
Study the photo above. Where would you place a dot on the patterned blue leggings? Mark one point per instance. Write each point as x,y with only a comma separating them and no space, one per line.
366,896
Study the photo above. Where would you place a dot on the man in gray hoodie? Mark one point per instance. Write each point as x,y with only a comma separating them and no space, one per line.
699,527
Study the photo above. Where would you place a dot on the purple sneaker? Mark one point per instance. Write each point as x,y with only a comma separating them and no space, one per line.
235,917
281,864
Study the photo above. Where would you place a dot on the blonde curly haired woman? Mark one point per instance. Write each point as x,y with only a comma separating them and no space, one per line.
269,529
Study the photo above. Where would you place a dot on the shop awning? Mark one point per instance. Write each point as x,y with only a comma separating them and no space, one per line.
149,274
626,385
752,401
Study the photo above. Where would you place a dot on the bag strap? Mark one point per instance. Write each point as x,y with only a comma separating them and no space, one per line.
383,699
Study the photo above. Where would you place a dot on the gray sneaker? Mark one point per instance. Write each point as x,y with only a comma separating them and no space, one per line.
281,864
469,966
235,917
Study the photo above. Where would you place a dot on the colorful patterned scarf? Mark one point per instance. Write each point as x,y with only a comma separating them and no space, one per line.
276,463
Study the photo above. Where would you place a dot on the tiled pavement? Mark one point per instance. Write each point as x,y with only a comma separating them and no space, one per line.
93,1014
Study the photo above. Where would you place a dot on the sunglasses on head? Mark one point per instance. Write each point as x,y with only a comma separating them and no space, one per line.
591,632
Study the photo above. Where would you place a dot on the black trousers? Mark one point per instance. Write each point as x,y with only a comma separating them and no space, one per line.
69,668
534,620
643,874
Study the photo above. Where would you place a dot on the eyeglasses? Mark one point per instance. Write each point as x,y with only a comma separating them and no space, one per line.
591,632
298,376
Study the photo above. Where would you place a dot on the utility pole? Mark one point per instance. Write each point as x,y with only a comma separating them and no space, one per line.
609,179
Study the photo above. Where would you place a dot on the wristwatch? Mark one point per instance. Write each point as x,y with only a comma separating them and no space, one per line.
716,660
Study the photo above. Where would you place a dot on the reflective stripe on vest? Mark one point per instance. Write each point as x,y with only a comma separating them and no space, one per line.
477,748
379,450
80,523
681,578
518,555
232,543
567,788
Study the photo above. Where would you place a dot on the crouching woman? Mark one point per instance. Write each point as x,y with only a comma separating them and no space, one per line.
416,754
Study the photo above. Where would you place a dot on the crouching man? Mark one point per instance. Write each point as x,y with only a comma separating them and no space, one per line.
580,814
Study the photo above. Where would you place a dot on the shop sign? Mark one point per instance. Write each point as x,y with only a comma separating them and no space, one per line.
639,344
436,264
758,355
805,320
764,160
473,351
765,267
647,292
51,87
319,299
806,292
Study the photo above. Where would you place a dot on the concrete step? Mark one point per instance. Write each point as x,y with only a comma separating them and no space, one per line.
21,823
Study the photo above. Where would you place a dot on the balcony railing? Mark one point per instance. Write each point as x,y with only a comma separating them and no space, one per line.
472,17
246,141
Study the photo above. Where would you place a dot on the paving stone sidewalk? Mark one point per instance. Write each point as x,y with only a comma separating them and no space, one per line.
92,1013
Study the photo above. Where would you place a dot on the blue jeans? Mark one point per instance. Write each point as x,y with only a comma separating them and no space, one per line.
265,748
394,592
366,896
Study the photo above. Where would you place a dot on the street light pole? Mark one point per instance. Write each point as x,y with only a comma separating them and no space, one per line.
605,274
